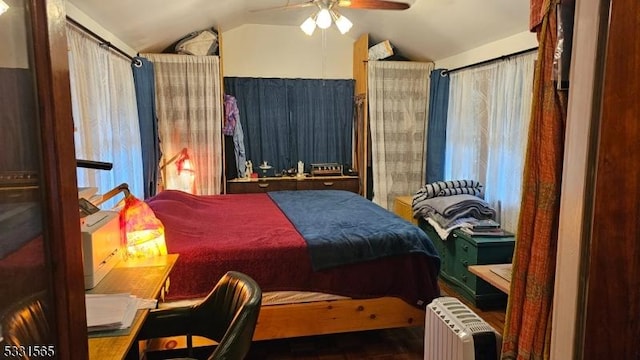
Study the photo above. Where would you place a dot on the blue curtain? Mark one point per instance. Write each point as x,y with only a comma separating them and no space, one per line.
437,127
145,97
291,120
322,120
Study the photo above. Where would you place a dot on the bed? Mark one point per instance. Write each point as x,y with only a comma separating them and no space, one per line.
22,248
378,270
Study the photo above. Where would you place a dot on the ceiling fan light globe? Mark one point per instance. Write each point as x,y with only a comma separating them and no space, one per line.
323,19
343,24
3,7
308,26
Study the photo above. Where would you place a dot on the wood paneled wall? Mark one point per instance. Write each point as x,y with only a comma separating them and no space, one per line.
360,59
612,304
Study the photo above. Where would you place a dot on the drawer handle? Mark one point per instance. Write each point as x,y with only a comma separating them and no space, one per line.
465,247
328,183
465,263
464,278
263,185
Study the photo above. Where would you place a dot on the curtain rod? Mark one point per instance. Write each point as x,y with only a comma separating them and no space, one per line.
503,57
99,38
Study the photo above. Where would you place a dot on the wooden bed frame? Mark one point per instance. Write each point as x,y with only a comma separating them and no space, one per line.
316,318
335,316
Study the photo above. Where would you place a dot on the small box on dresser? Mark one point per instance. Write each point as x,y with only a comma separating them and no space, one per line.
459,251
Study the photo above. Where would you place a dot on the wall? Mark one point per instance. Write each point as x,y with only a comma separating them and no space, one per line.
286,52
80,17
576,208
274,51
518,42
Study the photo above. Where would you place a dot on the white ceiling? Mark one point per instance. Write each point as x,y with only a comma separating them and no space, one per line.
429,30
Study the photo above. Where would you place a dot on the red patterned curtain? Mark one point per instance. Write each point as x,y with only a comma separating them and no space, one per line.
528,320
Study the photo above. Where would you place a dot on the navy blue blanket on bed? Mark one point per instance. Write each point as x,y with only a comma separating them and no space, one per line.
341,227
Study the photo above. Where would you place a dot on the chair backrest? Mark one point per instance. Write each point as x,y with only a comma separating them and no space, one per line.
26,323
235,304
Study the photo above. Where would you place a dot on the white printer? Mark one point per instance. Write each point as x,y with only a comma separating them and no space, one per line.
100,245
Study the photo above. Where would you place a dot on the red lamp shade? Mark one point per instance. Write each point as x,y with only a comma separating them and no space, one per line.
184,179
184,162
142,231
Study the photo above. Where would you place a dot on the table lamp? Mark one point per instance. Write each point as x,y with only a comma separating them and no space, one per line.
142,231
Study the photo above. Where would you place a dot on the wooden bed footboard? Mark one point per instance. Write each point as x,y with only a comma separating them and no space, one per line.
335,316
316,318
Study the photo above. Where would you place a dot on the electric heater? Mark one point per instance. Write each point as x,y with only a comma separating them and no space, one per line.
455,332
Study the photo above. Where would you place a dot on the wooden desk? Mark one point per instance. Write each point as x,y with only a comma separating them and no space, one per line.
143,278
484,272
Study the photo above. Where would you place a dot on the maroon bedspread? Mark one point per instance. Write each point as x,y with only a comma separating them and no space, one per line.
249,233
23,272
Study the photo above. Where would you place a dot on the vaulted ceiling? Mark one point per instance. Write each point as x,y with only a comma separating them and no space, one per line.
429,29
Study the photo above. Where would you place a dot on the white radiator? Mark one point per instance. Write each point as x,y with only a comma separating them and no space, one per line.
455,332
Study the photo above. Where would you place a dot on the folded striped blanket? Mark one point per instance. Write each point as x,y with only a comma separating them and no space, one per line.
448,188
454,207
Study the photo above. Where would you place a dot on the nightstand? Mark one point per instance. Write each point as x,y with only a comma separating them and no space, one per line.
402,207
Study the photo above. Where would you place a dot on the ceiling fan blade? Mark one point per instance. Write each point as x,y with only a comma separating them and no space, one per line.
287,6
373,4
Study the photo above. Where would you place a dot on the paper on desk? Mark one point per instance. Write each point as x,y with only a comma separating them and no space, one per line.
114,311
147,303
110,311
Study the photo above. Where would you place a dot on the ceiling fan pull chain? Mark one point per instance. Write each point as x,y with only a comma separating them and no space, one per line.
324,53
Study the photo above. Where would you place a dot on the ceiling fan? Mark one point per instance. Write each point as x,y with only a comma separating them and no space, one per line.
327,13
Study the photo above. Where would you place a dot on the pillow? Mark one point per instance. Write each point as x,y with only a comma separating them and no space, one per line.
203,42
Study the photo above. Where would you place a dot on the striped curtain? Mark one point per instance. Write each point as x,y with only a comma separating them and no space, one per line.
189,108
398,108
528,320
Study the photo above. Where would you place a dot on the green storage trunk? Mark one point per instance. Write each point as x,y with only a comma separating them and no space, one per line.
460,251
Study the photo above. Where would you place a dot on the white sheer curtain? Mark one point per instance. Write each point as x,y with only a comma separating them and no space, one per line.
189,107
487,127
398,108
105,114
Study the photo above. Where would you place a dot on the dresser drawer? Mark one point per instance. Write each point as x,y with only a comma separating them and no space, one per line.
482,250
260,186
19,194
459,251
472,284
348,184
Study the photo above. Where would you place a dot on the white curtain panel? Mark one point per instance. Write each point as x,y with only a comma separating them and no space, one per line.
398,108
487,127
189,107
105,114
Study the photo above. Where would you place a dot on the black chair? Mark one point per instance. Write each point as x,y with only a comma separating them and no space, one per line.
228,315
26,324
